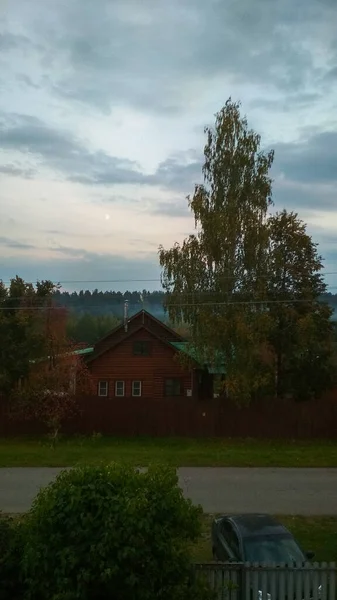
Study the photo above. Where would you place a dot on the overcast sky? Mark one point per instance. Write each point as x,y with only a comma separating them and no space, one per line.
102,109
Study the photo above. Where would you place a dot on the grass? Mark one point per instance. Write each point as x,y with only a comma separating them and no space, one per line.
316,534
28,452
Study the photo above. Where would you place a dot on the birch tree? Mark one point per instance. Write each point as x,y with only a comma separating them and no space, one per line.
216,278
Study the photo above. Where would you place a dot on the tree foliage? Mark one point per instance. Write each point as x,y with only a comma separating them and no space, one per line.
11,553
249,284
214,275
40,370
301,332
111,532
22,328
88,329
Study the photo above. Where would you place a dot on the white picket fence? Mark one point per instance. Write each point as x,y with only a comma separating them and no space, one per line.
254,581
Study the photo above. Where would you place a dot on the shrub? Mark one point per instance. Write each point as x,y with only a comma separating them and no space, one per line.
11,551
100,533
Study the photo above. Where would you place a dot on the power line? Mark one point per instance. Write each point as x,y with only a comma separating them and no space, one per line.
76,300
96,281
158,280
178,305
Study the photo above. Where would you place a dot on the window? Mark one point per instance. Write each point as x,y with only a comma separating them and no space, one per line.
273,548
136,388
172,387
141,348
119,388
231,538
103,388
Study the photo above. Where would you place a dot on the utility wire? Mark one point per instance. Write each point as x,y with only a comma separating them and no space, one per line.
77,300
179,305
144,280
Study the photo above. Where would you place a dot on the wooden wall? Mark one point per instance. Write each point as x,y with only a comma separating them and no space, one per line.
186,417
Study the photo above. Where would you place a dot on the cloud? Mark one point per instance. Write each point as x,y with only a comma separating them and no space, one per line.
309,160
179,172
157,56
11,243
171,209
106,271
10,41
17,171
64,153
304,170
27,81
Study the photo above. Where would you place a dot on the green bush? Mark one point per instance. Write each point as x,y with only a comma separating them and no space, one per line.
110,532
11,551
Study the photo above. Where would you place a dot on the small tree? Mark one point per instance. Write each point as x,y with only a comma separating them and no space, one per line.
111,532
49,393
22,328
301,335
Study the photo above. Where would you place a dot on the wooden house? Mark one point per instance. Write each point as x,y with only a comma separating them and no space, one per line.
141,358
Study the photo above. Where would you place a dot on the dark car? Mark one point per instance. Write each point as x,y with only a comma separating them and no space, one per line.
255,538
258,539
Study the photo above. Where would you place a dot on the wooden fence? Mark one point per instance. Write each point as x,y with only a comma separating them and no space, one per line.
254,581
186,417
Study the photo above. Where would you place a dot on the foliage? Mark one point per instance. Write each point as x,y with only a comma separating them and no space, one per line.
11,552
301,335
98,303
22,328
248,284
50,395
214,275
40,371
88,329
111,532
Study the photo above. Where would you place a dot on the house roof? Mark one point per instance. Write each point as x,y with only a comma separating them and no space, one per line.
214,368
80,352
133,318
116,338
83,351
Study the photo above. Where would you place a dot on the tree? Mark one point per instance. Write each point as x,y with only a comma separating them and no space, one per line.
87,328
40,370
301,335
215,279
112,532
49,394
22,328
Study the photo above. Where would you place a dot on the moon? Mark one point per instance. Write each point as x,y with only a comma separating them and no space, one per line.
107,217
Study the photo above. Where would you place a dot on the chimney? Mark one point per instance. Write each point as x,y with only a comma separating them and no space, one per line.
126,307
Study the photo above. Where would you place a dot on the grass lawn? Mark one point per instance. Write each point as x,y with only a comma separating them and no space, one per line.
316,534
27,452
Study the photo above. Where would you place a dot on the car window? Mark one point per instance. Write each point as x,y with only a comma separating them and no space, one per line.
276,548
231,538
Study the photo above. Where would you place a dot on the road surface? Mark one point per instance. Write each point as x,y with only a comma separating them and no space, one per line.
278,491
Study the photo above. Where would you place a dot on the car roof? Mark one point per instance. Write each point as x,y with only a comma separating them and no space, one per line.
256,525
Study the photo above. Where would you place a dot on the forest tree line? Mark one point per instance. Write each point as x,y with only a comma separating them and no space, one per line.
112,303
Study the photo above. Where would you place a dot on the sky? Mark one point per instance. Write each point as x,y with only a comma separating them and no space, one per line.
102,113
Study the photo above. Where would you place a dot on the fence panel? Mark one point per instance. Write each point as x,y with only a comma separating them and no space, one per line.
262,581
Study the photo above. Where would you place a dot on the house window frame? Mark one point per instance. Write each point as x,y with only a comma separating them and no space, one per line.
103,381
146,344
175,380
116,388
140,388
